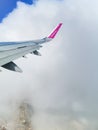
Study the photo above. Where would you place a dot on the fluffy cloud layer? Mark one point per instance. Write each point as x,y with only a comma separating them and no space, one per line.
62,84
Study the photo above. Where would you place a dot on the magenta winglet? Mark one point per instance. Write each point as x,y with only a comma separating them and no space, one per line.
53,34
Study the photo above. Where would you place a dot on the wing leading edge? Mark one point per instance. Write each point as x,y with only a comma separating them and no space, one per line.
10,51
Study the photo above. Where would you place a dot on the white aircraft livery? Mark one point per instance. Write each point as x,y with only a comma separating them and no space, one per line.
10,51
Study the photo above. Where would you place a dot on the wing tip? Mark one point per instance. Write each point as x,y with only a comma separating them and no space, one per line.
54,32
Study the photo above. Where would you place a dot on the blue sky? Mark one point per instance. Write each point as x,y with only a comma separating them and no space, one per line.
7,6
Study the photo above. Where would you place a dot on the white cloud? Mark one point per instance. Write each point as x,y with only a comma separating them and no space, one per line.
62,84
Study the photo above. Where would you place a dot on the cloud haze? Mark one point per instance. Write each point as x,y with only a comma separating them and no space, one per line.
62,84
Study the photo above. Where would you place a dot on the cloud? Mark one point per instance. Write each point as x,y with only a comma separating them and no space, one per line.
62,84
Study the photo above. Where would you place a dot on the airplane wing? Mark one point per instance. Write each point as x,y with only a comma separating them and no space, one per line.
10,51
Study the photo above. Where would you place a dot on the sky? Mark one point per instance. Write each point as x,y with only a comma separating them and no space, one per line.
62,84
7,7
